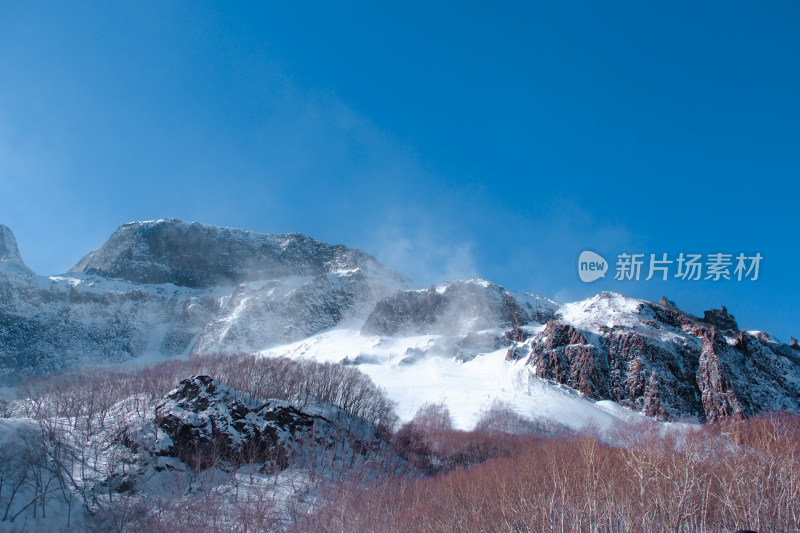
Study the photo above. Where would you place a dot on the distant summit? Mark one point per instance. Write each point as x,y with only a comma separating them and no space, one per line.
200,256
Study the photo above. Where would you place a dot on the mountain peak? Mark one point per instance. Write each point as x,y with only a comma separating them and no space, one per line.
9,252
199,256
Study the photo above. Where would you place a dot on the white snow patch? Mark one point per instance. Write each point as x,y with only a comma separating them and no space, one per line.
467,388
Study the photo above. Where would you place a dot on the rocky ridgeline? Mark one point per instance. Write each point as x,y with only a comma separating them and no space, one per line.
663,361
200,256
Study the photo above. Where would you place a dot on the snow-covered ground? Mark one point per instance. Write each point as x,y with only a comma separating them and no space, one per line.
413,373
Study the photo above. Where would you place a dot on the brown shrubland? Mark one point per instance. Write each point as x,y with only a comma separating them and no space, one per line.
645,478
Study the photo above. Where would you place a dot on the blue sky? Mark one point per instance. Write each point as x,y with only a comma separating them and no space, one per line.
447,139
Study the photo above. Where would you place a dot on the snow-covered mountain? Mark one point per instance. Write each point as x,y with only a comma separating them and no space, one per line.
655,358
200,256
172,289
168,288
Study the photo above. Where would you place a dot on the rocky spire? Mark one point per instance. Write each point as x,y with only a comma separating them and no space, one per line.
10,259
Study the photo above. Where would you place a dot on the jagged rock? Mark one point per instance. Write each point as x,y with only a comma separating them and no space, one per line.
662,362
10,258
208,422
516,335
563,354
720,399
667,303
515,353
8,245
720,318
652,401
793,343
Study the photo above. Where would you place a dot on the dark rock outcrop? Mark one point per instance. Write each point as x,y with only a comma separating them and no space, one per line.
516,335
199,256
455,308
667,303
719,397
720,318
563,354
208,423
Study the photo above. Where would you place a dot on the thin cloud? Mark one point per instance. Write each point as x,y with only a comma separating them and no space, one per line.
417,246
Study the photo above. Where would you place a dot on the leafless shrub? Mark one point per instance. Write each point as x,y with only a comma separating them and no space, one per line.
501,416
740,475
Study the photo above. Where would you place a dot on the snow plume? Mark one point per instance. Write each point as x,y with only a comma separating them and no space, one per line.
420,246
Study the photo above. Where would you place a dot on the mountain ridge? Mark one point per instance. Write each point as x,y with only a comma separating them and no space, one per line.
197,255
169,288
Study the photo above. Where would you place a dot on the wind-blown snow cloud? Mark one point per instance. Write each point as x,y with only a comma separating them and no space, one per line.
421,248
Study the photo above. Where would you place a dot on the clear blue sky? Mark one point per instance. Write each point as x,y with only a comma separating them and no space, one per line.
448,139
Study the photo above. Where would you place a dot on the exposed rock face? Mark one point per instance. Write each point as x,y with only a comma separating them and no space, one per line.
200,256
720,318
715,380
662,361
563,354
208,422
455,308
515,334
10,259
47,325
667,303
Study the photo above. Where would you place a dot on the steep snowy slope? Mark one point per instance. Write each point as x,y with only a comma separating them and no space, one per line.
416,370
447,344
48,324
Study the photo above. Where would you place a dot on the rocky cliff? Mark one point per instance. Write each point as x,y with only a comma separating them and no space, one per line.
662,361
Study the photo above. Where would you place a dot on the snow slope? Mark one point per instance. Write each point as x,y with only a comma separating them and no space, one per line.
414,371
